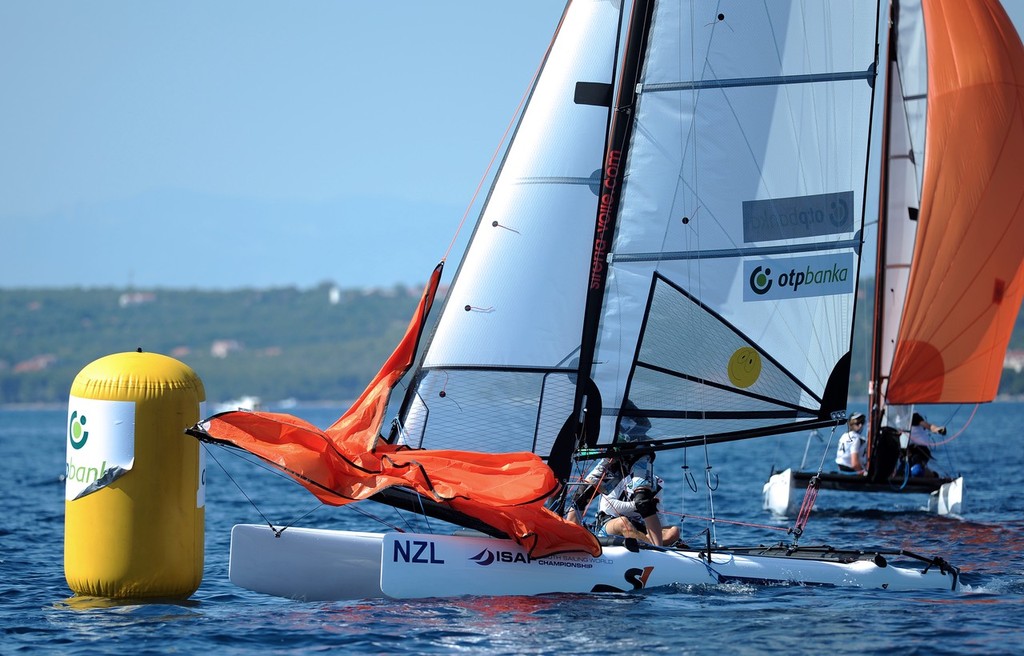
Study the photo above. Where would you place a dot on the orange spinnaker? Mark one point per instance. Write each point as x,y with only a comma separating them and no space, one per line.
348,462
968,267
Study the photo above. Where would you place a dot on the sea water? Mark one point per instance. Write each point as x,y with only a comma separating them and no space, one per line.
39,614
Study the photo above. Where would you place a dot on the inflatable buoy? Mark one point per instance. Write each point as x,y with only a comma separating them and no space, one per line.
135,482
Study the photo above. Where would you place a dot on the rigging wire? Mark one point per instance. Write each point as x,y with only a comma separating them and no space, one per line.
501,143
224,469
712,520
734,522
827,449
278,530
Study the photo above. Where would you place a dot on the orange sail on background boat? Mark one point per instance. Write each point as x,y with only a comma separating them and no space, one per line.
967,271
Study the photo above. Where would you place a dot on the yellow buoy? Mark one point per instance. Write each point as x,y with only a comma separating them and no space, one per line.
135,487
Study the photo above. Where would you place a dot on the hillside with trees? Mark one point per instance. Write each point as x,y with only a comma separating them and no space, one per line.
314,345
310,345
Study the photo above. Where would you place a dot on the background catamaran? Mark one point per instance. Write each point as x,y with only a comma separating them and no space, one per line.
674,234
949,272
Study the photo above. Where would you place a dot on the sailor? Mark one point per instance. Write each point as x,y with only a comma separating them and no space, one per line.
607,473
631,508
851,456
629,491
919,452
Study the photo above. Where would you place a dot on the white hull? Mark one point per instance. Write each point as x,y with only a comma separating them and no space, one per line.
777,495
317,564
948,500
782,497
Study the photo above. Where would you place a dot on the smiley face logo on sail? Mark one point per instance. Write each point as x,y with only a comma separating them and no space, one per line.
760,280
77,434
744,367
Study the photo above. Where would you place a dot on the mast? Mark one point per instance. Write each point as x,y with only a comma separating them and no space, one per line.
612,178
875,411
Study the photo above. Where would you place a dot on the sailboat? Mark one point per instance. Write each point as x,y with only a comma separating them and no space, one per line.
673,236
949,272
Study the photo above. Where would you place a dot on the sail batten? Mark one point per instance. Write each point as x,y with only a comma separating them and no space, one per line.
811,78
752,251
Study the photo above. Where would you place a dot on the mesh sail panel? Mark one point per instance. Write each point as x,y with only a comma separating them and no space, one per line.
488,410
698,375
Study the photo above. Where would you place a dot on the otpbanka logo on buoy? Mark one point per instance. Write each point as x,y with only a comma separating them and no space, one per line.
77,435
101,444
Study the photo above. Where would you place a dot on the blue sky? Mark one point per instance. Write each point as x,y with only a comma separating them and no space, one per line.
247,143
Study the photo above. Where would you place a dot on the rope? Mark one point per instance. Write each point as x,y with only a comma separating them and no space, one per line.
810,494
726,521
958,433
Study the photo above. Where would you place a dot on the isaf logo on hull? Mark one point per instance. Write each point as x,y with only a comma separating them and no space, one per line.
487,557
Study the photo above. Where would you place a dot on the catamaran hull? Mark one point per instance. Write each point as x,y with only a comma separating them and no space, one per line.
317,564
783,493
948,499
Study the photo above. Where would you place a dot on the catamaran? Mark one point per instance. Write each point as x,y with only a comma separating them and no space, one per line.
949,273
673,234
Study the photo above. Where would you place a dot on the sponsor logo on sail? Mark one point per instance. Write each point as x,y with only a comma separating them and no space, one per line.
797,217
760,280
608,198
822,275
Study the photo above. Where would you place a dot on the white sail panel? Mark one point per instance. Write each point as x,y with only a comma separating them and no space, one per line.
521,278
512,321
908,102
749,150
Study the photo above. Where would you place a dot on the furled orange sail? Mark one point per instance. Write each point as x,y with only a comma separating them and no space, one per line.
348,463
967,276
504,490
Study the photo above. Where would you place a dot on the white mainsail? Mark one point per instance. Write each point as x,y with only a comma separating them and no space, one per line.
745,193
730,280
498,365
